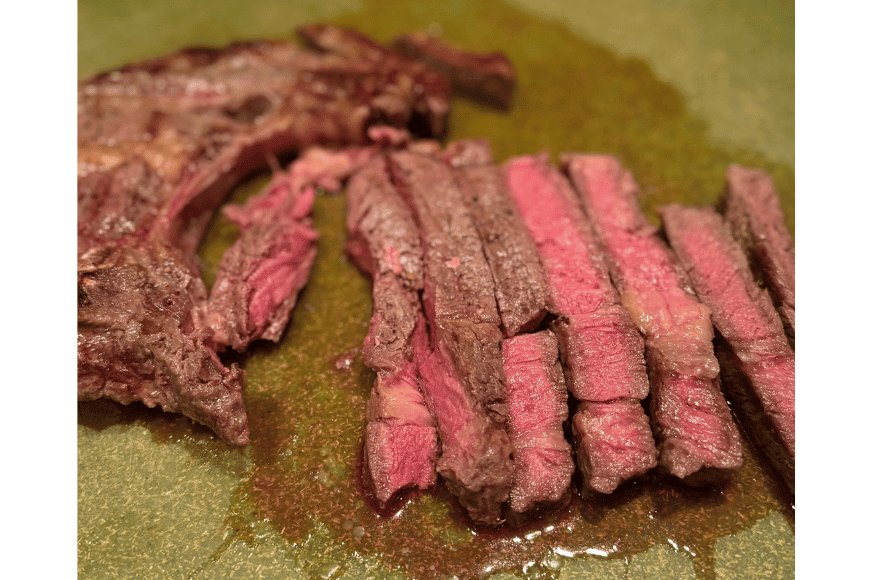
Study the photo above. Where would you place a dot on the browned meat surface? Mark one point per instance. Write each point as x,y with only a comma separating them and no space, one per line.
486,78
400,447
519,281
753,212
142,337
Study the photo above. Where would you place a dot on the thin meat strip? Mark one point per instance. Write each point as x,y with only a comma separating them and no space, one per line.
695,433
741,311
538,409
519,281
400,445
601,350
262,273
464,383
754,216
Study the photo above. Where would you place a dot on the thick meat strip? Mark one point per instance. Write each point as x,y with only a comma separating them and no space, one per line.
486,78
697,438
753,213
601,350
464,382
519,281
741,311
400,446
537,411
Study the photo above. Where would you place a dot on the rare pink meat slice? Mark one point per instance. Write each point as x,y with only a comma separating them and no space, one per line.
400,447
696,436
537,399
741,311
753,213
262,273
614,443
601,350
519,281
486,78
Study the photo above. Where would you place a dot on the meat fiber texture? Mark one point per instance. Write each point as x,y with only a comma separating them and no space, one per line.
464,382
142,336
487,78
741,311
697,438
260,276
519,281
753,213
400,447
161,143
537,398
601,350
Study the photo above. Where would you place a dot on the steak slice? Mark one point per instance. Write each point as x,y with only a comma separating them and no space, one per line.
614,443
519,281
142,337
469,401
741,311
537,399
753,214
260,276
457,279
400,447
696,436
601,350
486,78
476,456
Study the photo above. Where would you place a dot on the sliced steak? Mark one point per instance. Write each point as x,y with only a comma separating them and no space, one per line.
469,401
601,350
755,218
537,398
519,281
696,436
486,78
142,337
741,311
400,447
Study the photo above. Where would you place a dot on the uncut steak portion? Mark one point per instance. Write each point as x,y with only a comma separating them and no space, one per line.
142,337
486,78
463,380
537,397
696,436
601,350
400,447
741,311
175,133
753,213
519,281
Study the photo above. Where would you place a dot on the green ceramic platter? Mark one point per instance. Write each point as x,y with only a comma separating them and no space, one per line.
677,91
